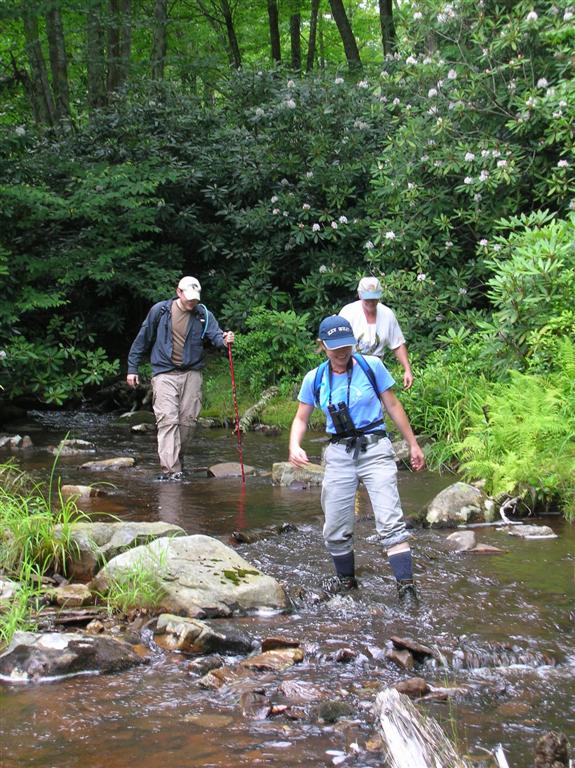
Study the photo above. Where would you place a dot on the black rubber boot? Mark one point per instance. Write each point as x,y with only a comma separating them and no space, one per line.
407,593
338,585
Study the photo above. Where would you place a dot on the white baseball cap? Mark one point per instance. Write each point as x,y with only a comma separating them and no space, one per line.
190,287
369,288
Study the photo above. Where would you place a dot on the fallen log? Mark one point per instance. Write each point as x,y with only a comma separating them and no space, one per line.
411,740
252,413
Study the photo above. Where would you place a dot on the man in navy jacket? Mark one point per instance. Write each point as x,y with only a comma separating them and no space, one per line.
173,334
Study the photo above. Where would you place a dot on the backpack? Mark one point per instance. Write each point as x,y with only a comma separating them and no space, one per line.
363,364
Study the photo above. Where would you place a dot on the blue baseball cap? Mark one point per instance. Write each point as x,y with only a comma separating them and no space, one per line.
336,332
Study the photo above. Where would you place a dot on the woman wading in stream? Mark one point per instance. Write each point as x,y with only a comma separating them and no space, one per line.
352,391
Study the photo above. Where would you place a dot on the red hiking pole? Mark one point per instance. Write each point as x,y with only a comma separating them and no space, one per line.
238,433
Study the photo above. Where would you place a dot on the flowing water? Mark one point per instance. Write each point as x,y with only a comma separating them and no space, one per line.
505,624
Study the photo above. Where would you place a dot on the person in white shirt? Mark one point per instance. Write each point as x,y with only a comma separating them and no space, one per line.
375,326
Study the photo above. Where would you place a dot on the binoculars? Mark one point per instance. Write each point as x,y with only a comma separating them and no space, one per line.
341,418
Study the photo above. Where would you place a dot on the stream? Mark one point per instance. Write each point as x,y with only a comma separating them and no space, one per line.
514,612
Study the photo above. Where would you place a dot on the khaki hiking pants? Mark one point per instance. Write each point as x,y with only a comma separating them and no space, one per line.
177,403
377,470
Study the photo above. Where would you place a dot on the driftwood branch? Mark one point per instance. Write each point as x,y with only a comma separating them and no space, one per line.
411,740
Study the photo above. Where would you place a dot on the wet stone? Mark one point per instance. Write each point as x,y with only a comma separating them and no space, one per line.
119,462
486,549
275,642
142,428
415,687
72,595
420,652
299,692
345,655
277,660
217,678
461,541
194,636
403,659
459,503
205,664
531,531
331,711
285,474
32,656
255,705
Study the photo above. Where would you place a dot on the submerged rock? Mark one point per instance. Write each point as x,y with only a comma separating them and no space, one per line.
230,469
257,534
81,491
531,531
32,657
199,577
142,428
137,417
473,655
72,448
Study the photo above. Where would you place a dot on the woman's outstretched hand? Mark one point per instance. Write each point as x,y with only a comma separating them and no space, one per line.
298,457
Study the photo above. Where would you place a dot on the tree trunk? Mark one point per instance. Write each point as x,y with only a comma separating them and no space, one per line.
231,33
346,34
40,94
95,56
125,38
160,39
320,26
58,61
312,35
273,17
295,38
388,40
119,43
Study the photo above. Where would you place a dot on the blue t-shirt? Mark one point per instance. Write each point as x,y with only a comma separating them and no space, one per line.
364,406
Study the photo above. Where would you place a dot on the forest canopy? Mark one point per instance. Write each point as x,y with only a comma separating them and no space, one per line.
278,150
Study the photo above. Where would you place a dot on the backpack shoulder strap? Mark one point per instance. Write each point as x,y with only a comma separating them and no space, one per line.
367,369
320,370
205,319
161,310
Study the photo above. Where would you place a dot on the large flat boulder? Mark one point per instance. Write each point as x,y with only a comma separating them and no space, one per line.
34,656
199,576
284,473
96,543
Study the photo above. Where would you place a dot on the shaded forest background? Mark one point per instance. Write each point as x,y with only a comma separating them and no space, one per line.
278,150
